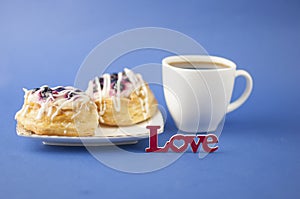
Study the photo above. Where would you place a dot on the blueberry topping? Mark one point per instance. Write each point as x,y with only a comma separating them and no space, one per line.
78,90
46,92
122,87
101,80
46,89
126,79
71,94
95,88
59,89
45,95
114,77
113,80
35,89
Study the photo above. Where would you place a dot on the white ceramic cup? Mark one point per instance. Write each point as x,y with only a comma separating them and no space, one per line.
198,90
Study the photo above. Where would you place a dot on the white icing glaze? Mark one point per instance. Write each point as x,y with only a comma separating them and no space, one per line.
142,104
58,109
106,85
144,92
50,111
66,126
97,82
102,108
24,111
136,85
57,99
101,119
117,98
133,79
75,115
42,110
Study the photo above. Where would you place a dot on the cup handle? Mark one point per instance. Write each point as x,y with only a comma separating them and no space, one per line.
249,85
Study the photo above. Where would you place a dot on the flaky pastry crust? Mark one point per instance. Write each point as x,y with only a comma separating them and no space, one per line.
72,119
132,109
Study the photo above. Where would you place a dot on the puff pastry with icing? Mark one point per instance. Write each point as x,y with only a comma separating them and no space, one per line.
61,111
122,98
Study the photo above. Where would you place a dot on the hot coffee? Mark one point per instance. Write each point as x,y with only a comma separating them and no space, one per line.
199,65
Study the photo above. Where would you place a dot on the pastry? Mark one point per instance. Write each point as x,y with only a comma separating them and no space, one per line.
62,111
122,98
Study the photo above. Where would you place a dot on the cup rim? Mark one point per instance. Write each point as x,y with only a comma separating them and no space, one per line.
199,58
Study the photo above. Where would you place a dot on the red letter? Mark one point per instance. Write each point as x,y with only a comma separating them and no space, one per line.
195,145
206,142
181,148
153,141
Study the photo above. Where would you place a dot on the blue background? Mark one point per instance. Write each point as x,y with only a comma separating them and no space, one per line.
44,42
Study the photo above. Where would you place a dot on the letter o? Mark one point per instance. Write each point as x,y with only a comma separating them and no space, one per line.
183,147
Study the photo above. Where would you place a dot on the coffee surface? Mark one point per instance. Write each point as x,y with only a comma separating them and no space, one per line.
198,65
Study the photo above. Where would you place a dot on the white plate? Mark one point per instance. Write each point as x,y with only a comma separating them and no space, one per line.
105,135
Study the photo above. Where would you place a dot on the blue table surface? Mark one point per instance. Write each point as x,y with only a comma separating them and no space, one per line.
45,42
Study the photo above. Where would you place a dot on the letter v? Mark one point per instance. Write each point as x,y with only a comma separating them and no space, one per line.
195,145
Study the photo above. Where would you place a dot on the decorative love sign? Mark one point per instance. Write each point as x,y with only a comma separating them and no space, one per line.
185,141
